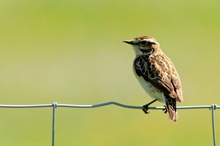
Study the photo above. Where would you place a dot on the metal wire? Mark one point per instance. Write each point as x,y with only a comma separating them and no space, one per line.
213,123
55,105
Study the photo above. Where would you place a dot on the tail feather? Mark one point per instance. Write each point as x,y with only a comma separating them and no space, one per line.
171,108
172,113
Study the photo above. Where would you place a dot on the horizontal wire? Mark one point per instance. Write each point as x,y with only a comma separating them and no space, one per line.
106,104
25,106
54,105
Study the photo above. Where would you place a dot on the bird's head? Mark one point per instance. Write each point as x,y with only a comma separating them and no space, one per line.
144,45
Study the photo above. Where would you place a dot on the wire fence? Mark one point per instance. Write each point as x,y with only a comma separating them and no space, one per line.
55,105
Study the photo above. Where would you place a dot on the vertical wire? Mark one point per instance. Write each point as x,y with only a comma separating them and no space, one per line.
213,124
54,105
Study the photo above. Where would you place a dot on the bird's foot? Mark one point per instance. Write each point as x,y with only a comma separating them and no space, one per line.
145,107
165,110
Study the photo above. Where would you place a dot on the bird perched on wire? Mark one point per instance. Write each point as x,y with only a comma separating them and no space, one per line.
156,74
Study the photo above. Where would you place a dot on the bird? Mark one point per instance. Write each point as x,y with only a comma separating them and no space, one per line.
157,74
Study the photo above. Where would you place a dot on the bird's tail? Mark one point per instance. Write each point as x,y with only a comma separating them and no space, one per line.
171,107
172,113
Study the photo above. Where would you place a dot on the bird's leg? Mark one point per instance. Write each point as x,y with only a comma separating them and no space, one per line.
145,107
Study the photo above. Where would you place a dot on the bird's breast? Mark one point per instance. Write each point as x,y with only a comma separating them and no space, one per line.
152,91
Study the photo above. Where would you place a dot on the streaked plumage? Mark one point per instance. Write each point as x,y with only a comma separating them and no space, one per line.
156,74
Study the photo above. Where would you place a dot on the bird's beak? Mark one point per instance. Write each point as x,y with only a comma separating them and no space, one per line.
129,42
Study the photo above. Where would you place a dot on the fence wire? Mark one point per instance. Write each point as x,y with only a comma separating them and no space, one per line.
55,105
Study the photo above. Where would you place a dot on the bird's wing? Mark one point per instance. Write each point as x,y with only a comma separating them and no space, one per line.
164,79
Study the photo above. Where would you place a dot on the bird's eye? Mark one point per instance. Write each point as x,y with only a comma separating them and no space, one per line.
143,43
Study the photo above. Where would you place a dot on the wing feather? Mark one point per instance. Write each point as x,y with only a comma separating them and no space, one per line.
160,74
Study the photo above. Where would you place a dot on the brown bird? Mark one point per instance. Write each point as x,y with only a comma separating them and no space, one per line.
156,74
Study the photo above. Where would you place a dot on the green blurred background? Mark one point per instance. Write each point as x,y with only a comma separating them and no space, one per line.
72,52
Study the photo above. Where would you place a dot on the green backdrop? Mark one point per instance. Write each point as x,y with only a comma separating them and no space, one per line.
72,52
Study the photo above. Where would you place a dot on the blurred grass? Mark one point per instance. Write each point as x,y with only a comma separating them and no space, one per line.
72,52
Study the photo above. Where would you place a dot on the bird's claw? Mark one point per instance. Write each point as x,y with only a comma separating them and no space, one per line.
145,109
165,109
